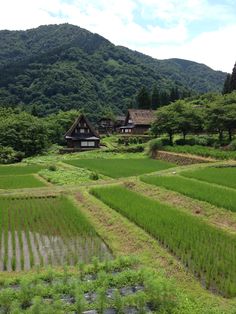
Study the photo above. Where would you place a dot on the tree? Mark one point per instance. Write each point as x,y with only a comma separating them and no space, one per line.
164,98
233,79
143,99
155,98
58,124
226,88
166,122
174,94
188,117
24,133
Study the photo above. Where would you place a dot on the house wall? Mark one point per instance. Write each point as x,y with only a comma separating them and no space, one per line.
83,144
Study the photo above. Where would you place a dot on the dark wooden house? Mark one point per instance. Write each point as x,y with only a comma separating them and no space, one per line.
106,125
82,135
138,121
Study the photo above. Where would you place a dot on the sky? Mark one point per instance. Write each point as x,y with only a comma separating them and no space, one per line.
199,30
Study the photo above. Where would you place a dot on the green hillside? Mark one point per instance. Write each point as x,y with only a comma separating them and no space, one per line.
64,66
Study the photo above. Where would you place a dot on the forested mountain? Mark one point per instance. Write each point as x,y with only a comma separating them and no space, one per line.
63,66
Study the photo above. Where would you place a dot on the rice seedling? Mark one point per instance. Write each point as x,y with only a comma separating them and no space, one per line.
20,181
216,195
202,151
184,235
19,169
41,231
117,168
225,176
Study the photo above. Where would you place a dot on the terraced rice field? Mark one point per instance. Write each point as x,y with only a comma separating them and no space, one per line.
216,195
19,169
20,176
20,182
225,176
45,231
208,252
117,168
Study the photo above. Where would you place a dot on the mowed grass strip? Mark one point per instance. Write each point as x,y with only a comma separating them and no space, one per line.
19,169
117,168
208,252
203,191
225,176
20,182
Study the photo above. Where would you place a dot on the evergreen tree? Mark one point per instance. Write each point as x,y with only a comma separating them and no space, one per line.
233,79
155,98
143,99
174,94
226,88
164,98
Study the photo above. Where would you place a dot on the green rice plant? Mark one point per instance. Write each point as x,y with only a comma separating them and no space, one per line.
117,168
184,235
20,169
225,176
216,195
20,181
202,151
56,223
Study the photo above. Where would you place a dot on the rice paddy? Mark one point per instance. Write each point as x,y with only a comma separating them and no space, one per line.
216,195
20,182
208,252
117,168
20,176
225,176
19,169
45,231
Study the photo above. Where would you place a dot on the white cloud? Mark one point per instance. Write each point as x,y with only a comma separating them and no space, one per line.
216,49
166,34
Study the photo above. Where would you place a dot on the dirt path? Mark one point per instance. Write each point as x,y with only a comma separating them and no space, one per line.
125,238
221,218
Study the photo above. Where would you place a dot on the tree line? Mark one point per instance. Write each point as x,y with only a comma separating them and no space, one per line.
209,113
24,135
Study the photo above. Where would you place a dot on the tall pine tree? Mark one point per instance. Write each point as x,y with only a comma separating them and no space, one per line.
226,88
143,99
233,79
155,98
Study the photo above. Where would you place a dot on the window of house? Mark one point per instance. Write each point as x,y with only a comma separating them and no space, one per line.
87,144
84,144
82,130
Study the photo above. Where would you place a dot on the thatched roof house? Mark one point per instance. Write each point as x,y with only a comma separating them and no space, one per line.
82,135
138,121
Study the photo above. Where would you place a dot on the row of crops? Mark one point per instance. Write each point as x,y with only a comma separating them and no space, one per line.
223,175
208,252
216,195
118,286
202,151
45,231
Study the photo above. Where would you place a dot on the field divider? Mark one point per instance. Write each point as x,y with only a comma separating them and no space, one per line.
185,236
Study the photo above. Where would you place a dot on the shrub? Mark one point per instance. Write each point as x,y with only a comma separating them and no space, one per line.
8,155
232,145
153,146
52,168
94,176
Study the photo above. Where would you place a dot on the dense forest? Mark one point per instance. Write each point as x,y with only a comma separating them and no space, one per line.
64,67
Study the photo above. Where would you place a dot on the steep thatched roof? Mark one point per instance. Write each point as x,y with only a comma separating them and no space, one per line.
77,121
141,116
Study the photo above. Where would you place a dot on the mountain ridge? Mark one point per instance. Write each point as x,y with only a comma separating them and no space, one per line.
64,66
